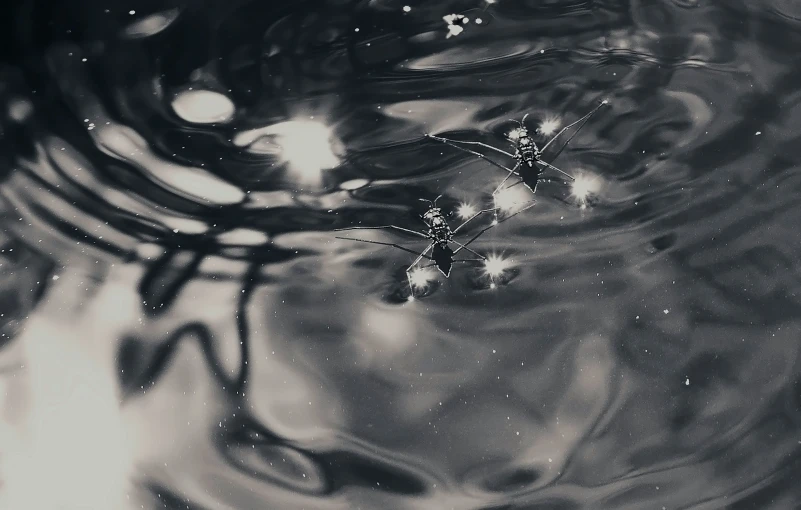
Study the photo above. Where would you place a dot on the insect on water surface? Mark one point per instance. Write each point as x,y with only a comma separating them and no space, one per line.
529,164
440,237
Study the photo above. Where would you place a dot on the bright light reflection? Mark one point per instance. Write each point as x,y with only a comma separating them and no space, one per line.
549,125
421,277
510,198
495,265
515,134
583,187
455,29
306,146
466,210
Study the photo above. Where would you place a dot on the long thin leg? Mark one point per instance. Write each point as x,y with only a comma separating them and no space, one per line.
474,153
507,178
529,206
384,244
582,120
482,257
498,189
409,269
408,231
480,144
468,220
455,261
557,169
521,181
480,232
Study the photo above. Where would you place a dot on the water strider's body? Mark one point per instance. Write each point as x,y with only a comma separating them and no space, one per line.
529,164
440,237
528,157
526,150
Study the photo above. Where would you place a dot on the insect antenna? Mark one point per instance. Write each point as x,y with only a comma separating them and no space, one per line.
432,203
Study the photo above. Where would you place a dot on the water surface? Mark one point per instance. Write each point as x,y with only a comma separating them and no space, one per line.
182,329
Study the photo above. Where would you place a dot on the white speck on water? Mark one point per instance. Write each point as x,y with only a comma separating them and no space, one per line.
687,382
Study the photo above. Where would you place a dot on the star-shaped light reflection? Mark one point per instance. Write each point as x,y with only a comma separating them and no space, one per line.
466,210
583,187
494,268
515,134
421,277
549,126
495,265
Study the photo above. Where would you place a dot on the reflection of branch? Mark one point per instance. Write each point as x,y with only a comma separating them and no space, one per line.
131,349
159,289
250,279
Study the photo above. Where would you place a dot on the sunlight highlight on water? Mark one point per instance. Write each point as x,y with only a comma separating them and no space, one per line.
584,187
307,146
549,126
466,210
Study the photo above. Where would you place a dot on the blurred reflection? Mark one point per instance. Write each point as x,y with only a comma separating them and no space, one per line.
65,444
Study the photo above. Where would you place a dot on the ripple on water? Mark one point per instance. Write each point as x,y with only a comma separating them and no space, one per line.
259,454
639,352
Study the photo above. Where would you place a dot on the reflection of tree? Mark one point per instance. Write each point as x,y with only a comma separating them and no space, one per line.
151,364
24,274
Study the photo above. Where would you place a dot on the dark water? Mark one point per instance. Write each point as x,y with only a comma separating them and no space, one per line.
181,329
